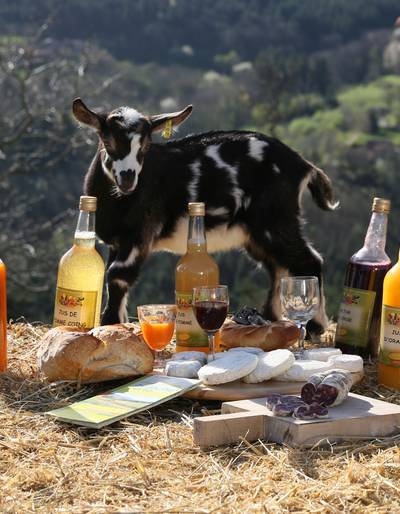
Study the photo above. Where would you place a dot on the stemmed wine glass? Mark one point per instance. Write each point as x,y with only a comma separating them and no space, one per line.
300,301
210,305
158,324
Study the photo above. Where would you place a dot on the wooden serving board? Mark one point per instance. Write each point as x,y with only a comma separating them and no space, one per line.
357,416
241,391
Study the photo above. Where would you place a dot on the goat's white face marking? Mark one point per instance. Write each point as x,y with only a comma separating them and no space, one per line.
276,169
129,164
129,116
256,148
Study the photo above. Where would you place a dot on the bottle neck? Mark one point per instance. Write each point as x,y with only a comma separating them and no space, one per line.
196,235
85,235
375,240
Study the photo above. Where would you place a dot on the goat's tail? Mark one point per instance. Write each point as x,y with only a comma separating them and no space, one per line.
320,186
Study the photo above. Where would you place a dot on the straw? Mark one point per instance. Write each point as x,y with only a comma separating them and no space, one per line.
148,463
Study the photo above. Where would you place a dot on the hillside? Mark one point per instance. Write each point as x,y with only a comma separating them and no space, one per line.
329,95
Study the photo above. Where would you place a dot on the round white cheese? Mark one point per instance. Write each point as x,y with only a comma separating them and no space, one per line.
270,365
217,355
190,356
182,369
321,354
353,363
248,349
302,370
228,368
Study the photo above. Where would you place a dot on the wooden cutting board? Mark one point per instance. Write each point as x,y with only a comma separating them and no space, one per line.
241,391
357,416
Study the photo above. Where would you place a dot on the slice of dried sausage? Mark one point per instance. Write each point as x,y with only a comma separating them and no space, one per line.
307,392
310,411
287,405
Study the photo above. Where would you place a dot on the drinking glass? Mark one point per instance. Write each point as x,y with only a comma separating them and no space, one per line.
300,301
157,323
210,305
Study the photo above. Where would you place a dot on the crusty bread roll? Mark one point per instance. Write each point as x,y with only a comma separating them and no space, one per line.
104,353
279,334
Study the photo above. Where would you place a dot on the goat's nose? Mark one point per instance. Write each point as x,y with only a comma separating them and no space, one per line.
126,179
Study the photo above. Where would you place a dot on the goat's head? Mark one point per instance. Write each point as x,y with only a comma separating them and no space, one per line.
126,136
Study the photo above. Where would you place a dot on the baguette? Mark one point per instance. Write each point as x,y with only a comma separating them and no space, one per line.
279,334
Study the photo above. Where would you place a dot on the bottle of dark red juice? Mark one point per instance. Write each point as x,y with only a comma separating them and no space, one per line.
359,317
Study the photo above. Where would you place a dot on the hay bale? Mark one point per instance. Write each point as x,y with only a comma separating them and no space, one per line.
148,463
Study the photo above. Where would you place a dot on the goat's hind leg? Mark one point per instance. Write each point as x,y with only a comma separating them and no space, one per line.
124,267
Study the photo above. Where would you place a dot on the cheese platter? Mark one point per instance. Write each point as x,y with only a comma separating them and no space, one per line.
239,390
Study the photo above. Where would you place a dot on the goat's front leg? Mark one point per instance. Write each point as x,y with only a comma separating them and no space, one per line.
121,274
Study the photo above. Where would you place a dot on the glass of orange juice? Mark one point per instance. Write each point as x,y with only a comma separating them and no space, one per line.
158,324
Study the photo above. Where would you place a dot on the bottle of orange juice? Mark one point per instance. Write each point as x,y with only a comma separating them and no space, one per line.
389,348
195,268
3,318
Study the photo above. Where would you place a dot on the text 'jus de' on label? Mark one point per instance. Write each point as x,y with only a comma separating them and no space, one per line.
389,352
75,308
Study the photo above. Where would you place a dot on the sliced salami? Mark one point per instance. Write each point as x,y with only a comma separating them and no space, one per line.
273,399
286,405
310,411
328,388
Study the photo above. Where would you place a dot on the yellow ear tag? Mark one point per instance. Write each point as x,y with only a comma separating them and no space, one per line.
167,132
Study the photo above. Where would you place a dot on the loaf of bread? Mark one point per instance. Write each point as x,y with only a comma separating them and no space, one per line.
271,336
104,353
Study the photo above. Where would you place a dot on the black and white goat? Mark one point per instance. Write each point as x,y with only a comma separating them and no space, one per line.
251,185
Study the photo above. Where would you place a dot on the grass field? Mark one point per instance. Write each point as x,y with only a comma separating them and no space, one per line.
148,463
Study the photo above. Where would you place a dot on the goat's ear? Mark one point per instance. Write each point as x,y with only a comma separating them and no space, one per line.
85,115
159,120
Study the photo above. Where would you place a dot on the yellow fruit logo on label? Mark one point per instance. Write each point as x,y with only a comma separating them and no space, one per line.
75,308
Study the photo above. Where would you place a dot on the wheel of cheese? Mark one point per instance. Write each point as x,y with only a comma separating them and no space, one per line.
217,355
270,365
190,356
321,354
353,363
302,370
231,367
248,349
182,368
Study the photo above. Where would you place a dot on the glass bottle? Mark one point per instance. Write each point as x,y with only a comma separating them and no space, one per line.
3,318
359,317
389,348
80,274
195,268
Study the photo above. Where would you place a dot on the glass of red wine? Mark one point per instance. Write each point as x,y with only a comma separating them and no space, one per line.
210,305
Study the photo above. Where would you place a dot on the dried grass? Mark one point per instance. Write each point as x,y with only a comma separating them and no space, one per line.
148,463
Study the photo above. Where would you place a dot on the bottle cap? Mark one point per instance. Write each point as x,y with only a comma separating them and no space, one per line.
197,209
381,205
88,203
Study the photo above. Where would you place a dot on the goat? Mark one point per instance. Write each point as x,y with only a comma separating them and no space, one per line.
251,185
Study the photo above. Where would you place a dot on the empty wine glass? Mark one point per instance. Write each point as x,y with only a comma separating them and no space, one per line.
300,302
210,305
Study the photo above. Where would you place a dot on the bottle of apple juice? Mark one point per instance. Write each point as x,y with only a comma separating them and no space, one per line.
195,268
80,274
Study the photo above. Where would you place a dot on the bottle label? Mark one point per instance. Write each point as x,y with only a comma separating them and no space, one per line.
355,314
389,351
188,331
75,308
